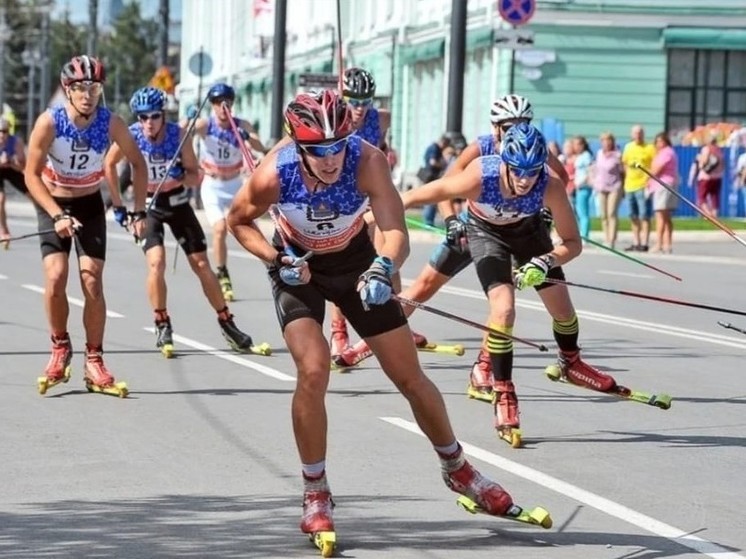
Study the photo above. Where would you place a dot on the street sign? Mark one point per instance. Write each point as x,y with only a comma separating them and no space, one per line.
516,12
514,39
323,81
200,64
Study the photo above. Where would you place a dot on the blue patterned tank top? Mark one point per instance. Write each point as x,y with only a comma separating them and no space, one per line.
487,145
370,131
158,155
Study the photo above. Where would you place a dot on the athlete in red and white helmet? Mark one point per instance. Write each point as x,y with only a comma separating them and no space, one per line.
318,186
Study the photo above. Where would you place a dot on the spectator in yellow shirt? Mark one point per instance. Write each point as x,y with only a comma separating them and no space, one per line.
635,181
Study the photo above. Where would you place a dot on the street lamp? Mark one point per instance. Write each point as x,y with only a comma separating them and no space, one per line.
32,59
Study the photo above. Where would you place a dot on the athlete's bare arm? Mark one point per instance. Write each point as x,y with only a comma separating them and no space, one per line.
565,224
121,136
254,141
446,208
42,136
113,156
19,156
384,122
253,200
374,179
189,163
200,128
467,184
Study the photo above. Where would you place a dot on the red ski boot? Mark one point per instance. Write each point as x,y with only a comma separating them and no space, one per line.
507,423
317,519
351,356
58,369
97,376
467,481
571,368
480,378
419,340
339,340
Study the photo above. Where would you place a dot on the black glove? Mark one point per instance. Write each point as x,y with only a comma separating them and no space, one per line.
455,233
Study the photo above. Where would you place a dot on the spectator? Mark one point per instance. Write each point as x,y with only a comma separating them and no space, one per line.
640,206
665,166
435,165
708,168
583,188
607,182
554,149
568,160
741,171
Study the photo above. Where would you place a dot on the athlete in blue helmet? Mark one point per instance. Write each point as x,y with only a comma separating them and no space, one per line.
222,164
160,143
505,194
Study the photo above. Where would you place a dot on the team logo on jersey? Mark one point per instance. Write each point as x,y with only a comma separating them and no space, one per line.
80,144
321,211
157,157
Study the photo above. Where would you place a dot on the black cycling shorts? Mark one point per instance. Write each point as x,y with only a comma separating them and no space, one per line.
449,261
493,249
172,208
334,278
15,178
90,239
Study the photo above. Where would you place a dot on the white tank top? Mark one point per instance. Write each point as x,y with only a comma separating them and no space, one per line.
220,154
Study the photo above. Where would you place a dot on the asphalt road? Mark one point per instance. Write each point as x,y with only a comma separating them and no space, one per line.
199,461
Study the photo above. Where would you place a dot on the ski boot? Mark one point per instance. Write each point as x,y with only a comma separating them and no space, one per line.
97,376
164,336
571,368
226,286
58,368
351,356
480,379
238,340
339,341
419,340
317,520
507,423
489,496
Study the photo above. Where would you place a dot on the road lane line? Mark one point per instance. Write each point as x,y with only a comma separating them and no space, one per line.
602,504
258,367
71,300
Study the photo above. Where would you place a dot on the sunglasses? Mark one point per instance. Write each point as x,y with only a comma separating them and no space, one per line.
525,173
324,150
221,100
88,87
356,103
149,116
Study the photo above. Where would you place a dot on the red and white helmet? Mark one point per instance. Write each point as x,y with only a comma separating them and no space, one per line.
510,107
319,117
82,68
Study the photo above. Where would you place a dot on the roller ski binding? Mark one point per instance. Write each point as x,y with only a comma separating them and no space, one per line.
59,368
164,338
97,376
507,423
239,341
573,370
339,343
317,521
480,379
224,279
537,516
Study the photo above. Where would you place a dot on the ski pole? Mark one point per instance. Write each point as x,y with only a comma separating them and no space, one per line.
730,326
7,242
241,145
648,297
719,224
632,258
417,223
466,321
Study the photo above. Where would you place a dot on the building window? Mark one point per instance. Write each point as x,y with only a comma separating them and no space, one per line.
705,86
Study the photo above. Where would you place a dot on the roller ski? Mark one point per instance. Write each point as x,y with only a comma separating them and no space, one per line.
224,279
339,344
538,516
573,370
507,424
480,379
59,368
422,344
317,519
164,338
239,341
98,378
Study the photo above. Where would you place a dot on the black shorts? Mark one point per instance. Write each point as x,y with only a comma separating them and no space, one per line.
90,239
15,178
172,208
493,249
334,277
448,261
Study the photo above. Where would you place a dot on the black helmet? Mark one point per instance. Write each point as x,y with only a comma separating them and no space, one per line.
359,84
456,139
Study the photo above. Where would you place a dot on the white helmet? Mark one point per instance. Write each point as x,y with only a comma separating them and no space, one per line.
510,107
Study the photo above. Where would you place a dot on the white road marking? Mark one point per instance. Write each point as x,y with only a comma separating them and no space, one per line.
614,320
624,274
3,276
71,300
258,367
597,502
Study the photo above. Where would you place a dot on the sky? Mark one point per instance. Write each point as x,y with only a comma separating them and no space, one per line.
79,8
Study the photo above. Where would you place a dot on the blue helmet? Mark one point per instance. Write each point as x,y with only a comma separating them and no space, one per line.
221,91
524,148
147,99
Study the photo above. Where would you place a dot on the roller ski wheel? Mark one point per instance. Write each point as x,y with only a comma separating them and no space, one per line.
511,435
326,542
164,338
226,286
118,389
261,349
537,516
167,350
45,383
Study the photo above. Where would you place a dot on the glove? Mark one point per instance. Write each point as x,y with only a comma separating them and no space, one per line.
121,216
455,233
534,272
176,171
289,266
244,134
192,112
374,284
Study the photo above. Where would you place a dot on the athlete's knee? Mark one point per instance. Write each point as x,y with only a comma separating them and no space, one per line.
92,284
157,266
199,263
313,380
220,228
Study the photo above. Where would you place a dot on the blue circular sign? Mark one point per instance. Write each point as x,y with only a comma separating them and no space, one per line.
200,64
516,12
